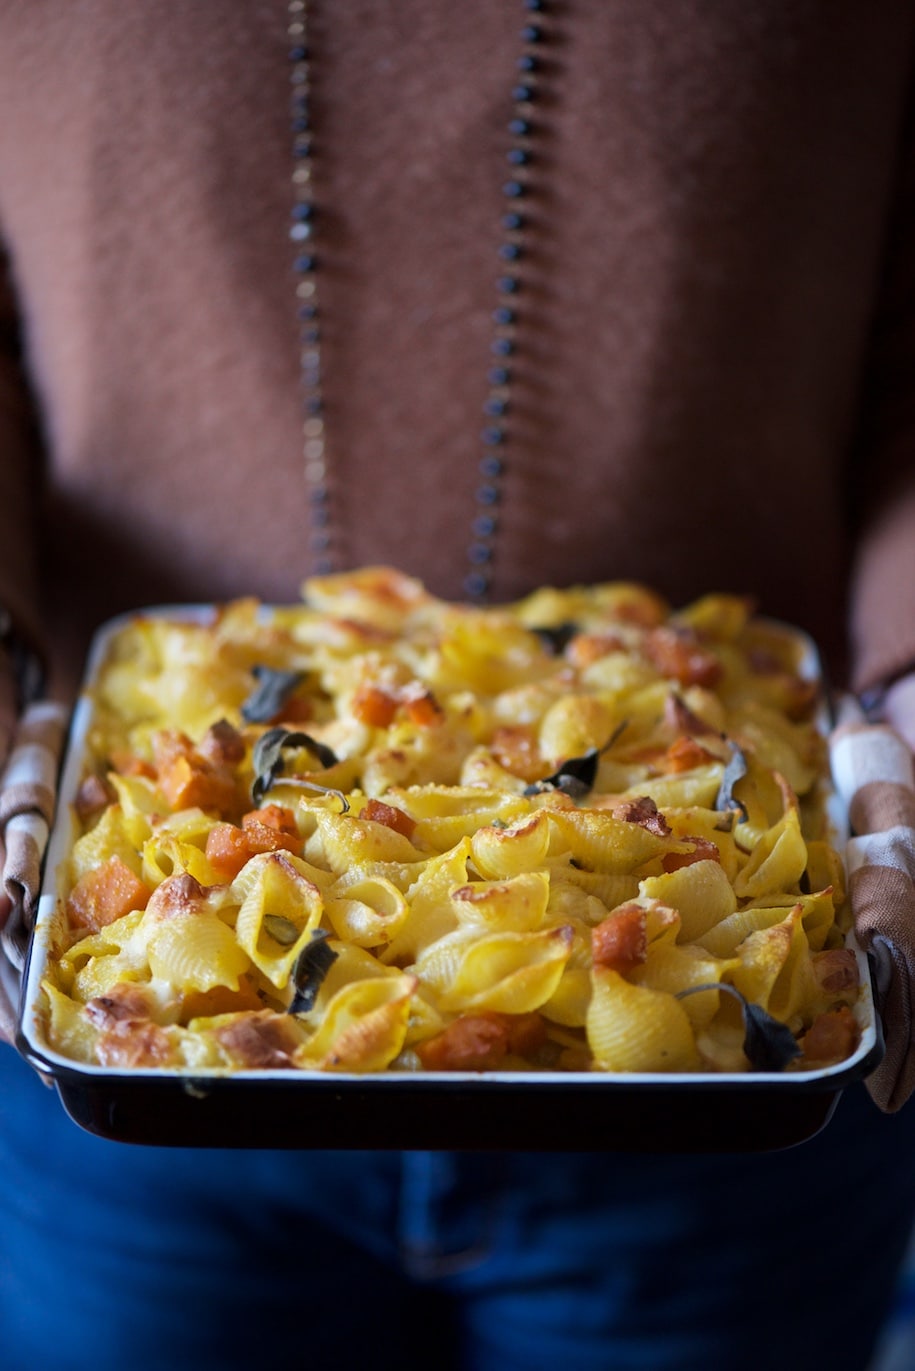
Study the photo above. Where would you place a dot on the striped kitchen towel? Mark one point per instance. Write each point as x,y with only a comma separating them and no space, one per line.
28,790
874,774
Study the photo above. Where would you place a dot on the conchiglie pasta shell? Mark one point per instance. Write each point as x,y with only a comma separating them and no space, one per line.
779,745
765,798
522,846
697,787
439,962
573,725
196,952
616,674
487,653
568,1004
631,1028
818,912
166,855
276,887
700,892
696,821
139,800
431,914
424,1022
341,841
108,941
662,923
672,969
610,889
774,968
796,992
725,938
718,616
109,838
188,826
364,1026
351,964
569,903
825,871
510,973
100,974
601,842
777,862
69,1031
480,768
517,904
446,814
367,911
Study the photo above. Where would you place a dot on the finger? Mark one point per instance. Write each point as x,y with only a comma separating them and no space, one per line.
899,708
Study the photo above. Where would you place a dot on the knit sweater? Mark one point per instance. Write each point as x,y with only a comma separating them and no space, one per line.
715,381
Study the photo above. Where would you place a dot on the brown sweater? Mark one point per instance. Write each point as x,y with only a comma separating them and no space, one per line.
716,377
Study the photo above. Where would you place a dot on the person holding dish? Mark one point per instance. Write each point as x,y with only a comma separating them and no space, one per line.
569,293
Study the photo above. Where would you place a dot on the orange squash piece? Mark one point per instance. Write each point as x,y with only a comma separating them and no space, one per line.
106,894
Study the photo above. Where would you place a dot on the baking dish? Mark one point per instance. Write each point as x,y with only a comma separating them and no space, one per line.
529,1110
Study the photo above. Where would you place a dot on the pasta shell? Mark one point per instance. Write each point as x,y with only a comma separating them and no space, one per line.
777,862
196,952
518,904
511,973
632,1028
701,893
367,912
276,887
364,1026
509,851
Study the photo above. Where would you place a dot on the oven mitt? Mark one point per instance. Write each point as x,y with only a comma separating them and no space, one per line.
874,775
28,789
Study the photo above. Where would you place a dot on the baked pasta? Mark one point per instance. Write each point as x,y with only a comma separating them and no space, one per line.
380,832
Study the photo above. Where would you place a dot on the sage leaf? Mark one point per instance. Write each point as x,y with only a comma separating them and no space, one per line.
268,761
768,1044
574,777
273,689
556,637
311,966
734,771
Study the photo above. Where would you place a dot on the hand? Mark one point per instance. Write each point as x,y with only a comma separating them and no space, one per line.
899,708
875,775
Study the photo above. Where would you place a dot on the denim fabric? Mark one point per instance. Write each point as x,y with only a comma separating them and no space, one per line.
112,1255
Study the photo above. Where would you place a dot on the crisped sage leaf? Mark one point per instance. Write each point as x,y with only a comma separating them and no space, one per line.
734,771
273,689
574,777
768,1044
556,637
311,966
268,756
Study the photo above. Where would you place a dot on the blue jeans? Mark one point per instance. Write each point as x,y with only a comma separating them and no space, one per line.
112,1255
